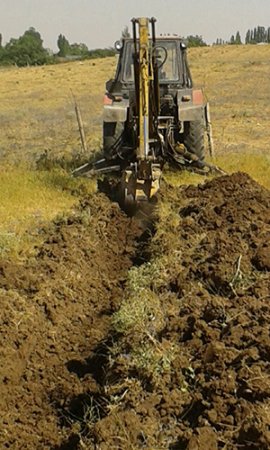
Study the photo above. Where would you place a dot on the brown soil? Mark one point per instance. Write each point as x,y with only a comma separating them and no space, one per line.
61,386
54,311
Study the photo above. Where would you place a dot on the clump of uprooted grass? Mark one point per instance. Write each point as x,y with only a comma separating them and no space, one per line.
139,321
142,314
146,313
30,199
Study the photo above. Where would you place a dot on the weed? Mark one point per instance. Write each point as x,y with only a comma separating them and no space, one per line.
139,313
152,359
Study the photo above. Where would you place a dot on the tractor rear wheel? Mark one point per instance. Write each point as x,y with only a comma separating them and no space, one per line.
194,138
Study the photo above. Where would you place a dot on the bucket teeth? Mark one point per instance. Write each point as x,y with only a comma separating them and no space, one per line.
138,190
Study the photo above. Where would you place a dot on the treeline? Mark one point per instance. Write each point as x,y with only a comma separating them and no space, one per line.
28,49
257,35
80,51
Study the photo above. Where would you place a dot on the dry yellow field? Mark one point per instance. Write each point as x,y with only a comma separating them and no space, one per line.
236,82
37,117
37,110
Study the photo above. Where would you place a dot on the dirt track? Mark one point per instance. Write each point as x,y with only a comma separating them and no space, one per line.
56,367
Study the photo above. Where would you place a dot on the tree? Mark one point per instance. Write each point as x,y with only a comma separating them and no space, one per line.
247,40
255,36
238,38
26,50
63,45
232,40
260,32
101,53
79,50
67,49
195,41
219,41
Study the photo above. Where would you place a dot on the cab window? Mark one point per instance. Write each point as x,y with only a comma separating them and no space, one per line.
167,61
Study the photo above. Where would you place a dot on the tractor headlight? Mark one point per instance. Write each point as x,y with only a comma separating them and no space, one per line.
118,45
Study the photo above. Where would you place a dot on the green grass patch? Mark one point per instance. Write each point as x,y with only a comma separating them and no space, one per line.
182,177
257,166
30,199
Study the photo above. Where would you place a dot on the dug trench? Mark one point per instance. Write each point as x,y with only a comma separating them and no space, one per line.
55,309
126,334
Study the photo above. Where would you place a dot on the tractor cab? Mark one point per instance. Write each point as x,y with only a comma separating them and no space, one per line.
171,61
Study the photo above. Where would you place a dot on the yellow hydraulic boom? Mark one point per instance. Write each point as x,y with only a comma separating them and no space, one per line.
142,179
144,89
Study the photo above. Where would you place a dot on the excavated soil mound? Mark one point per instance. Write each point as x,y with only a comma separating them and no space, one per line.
62,386
215,393
54,310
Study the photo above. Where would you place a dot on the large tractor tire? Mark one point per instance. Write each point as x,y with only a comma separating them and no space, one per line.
194,138
112,137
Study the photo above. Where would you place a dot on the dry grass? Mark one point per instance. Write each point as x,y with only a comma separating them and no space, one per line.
28,200
37,110
236,82
257,166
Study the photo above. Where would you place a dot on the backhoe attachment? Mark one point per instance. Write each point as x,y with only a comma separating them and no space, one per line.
137,186
141,178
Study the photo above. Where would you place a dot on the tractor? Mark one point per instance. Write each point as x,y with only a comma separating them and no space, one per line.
152,114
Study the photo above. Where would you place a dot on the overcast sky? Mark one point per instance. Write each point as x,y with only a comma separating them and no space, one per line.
98,23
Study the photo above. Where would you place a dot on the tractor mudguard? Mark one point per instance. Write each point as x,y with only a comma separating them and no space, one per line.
115,113
191,105
191,113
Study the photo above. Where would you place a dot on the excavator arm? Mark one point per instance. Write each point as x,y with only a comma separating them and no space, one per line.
141,179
